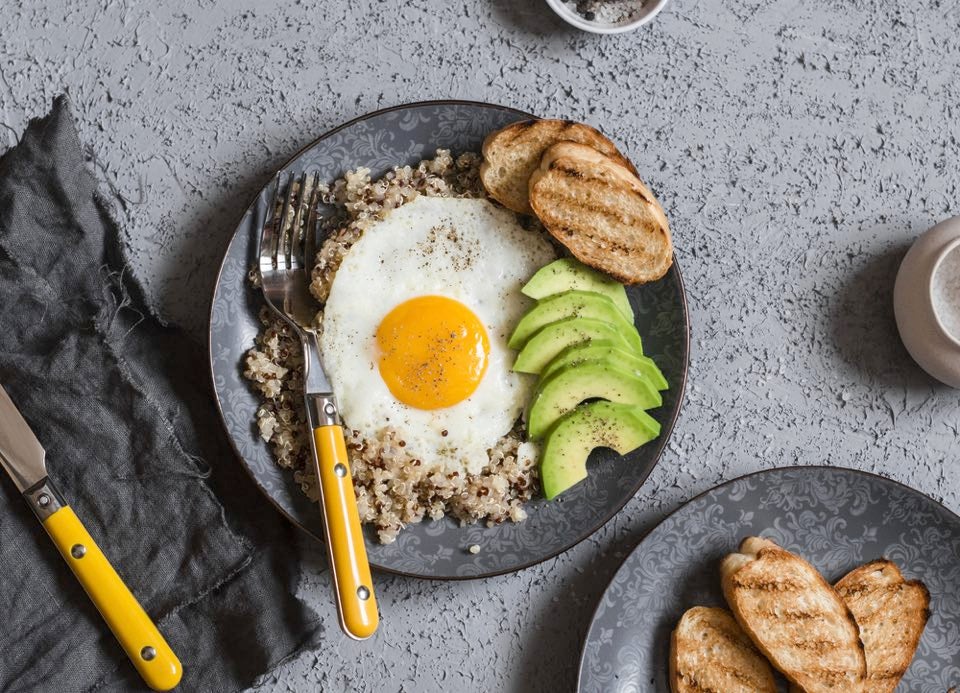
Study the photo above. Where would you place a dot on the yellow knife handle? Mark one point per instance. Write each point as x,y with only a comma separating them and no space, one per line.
352,582
138,635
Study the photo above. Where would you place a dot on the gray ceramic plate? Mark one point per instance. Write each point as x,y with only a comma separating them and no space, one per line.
836,518
380,141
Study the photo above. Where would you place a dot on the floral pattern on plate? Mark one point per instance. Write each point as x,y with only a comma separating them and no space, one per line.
836,518
379,141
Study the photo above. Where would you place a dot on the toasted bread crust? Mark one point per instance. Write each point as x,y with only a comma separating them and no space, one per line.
512,154
710,652
891,613
794,617
602,213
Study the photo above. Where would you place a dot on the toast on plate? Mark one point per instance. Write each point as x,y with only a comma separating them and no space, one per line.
602,213
710,652
794,617
891,613
511,155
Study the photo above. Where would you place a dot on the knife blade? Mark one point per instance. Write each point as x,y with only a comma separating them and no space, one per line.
24,460
21,454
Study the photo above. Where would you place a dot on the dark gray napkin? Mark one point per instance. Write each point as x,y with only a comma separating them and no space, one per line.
123,407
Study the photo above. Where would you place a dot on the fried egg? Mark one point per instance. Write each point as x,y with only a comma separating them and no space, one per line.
416,325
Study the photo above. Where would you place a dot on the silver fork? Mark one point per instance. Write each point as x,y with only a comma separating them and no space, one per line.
287,249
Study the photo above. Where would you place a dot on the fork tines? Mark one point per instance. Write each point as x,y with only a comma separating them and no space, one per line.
294,223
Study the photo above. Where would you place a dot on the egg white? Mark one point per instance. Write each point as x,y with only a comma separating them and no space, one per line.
469,250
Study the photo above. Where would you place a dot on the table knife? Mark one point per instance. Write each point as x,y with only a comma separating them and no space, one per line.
24,459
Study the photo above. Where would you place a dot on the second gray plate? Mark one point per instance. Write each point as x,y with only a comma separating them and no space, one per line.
837,519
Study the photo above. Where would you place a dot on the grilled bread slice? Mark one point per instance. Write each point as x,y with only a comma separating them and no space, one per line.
602,213
511,155
891,613
794,617
710,652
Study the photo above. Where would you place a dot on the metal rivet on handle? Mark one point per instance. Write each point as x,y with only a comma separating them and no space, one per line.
340,470
148,653
363,593
329,409
43,500
78,551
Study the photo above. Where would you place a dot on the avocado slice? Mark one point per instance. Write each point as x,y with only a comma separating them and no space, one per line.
567,274
557,336
602,350
563,461
568,304
570,386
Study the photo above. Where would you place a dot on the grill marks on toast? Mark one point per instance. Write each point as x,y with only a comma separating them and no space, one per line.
602,213
794,617
710,653
564,168
586,193
891,613
764,584
512,154
785,609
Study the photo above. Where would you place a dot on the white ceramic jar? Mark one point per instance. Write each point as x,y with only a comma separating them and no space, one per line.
926,302
649,10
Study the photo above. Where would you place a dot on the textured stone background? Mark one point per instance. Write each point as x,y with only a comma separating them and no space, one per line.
798,145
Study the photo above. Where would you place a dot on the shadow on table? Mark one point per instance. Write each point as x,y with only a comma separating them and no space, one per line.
530,17
864,329
188,277
562,628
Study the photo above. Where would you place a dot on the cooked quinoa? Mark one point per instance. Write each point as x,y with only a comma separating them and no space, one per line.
393,487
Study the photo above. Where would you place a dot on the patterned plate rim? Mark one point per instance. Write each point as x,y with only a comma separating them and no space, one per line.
722,485
661,442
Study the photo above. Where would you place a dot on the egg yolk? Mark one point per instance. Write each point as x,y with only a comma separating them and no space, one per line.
433,352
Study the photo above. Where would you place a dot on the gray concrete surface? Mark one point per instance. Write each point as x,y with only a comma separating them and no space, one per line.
798,146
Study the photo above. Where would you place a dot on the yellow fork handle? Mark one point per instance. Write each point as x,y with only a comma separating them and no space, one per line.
141,640
352,582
